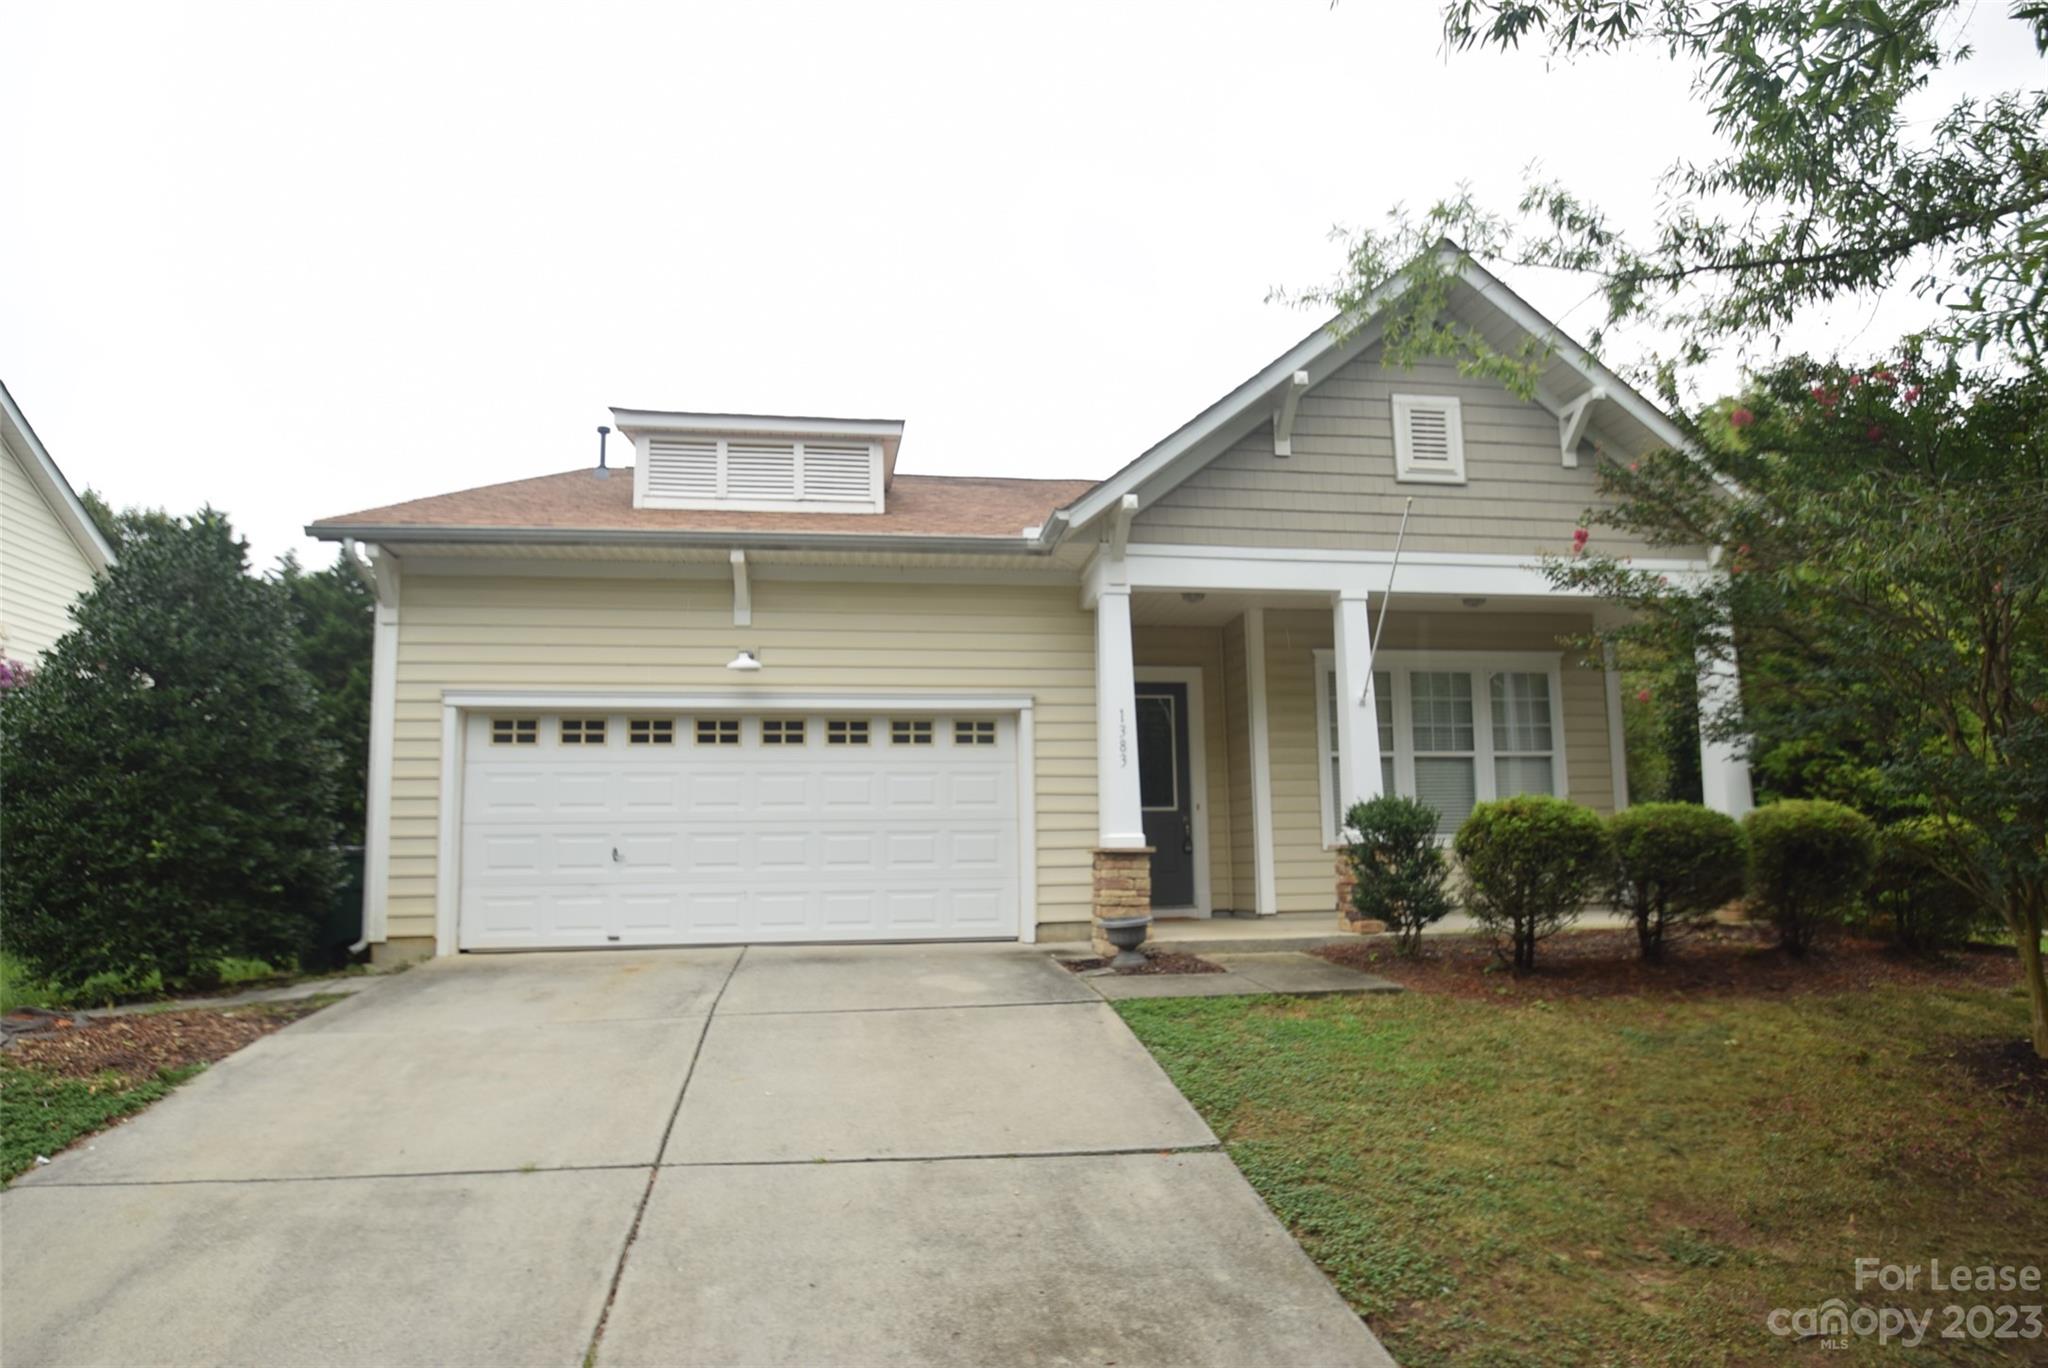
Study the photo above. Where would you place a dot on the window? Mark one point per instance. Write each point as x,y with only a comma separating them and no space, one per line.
782,731
515,731
1521,732
650,731
1455,729
841,731
1429,439
718,731
974,733
583,731
910,732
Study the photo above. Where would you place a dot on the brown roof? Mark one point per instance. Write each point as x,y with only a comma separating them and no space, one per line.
918,505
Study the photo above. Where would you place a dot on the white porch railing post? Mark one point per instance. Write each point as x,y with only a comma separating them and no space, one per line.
1120,819
1358,732
1724,774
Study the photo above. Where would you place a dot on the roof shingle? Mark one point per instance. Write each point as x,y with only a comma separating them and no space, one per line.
918,506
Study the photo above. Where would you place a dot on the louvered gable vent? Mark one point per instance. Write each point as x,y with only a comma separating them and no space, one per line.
750,467
1429,439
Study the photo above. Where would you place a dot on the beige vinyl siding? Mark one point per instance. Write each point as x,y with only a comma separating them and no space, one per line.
548,633
1338,490
1304,868
1201,648
42,571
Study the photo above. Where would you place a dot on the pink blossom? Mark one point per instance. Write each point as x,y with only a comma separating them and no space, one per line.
1874,433
1912,394
1642,695
1741,418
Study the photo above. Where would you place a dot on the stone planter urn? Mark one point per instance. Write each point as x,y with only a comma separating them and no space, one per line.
1126,934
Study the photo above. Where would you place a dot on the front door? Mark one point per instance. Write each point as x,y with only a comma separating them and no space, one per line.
1167,792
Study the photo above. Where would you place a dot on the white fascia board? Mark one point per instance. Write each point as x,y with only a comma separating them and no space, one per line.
401,533
1247,570
756,424
56,490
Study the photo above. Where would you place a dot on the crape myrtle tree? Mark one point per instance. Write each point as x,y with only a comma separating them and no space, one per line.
169,795
1824,189
1885,578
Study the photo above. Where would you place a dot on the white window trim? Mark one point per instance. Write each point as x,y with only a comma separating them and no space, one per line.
1454,424
1479,664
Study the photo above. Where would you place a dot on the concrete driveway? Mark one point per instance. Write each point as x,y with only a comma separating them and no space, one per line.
896,1154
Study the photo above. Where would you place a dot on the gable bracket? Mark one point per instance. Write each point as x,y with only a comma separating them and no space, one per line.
742,595
1571,424
1283,412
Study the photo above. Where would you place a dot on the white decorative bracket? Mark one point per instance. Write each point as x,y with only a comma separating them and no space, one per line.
742,596
1283,413
1120,528
1571,424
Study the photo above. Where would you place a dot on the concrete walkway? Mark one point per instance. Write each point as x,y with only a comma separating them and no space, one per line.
902,1155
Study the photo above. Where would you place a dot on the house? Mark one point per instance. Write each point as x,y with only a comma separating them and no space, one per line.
50,551
764,687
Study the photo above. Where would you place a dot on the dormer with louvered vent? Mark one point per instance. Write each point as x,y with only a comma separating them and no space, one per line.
760,463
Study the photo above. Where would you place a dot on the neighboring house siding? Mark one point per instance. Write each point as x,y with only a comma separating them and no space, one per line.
475,632
1304,868
1338,491
1201,648
42,571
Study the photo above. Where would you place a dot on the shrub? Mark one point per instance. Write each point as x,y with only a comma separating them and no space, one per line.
1809,860
1674,862
1399,868
168,801
1530,863
1912,884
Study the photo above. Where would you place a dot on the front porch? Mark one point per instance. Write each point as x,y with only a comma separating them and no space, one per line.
1257,711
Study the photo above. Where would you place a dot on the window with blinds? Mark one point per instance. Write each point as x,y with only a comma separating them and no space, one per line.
1455,729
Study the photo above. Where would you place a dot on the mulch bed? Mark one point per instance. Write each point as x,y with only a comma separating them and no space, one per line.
138,1046
1720,961
1156,962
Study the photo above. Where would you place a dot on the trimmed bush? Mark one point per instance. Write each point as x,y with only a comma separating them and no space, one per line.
1530,863
1809,860
1399,869
168,799
1912,886
1674,863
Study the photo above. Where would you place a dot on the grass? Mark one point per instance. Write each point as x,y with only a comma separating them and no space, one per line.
41,1113
1623,1179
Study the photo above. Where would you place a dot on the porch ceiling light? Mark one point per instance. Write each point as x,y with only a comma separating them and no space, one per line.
1473,602
745,662
1192,598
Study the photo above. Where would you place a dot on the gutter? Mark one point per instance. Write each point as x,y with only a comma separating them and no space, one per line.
706,540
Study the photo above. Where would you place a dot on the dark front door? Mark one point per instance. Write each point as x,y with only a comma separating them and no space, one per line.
1167,792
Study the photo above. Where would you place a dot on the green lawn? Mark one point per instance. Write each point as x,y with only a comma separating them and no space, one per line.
1620,1180
41,1113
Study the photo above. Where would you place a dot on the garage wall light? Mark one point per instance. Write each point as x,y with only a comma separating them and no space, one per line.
745,662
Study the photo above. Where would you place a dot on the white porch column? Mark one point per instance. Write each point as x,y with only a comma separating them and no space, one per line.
1358,732
1265,865
383,726
1724,775
1119,817
1617,730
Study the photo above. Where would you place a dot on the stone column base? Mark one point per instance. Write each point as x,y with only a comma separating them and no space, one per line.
1123,888
1347,915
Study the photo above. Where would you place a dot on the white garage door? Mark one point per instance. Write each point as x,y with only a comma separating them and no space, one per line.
662,828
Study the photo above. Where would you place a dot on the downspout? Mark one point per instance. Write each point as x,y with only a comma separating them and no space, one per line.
380,573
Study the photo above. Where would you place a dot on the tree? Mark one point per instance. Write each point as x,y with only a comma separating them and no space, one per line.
1826,189
169,796
1886,579
335,612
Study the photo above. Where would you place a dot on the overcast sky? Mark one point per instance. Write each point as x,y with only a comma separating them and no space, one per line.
299,259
